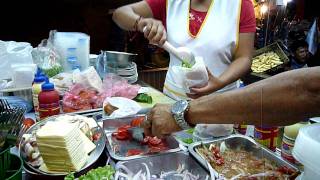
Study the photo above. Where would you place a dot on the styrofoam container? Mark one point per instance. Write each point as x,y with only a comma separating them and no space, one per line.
307,151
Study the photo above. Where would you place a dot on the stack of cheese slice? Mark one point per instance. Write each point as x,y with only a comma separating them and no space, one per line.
63,147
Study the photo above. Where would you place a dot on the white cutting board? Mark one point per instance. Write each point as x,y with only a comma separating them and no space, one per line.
157,98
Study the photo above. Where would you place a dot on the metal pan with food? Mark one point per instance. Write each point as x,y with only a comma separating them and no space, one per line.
269,60
122,145
62,144
240,157
177,165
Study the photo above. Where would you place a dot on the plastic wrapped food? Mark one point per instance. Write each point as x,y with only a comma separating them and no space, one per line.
116,86
47,57
79,98
191,76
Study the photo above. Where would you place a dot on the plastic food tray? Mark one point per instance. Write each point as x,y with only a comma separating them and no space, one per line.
118,149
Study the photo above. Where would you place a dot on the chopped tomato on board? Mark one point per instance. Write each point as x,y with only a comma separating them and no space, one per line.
132,152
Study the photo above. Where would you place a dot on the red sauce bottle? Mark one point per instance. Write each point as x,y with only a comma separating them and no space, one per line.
48,100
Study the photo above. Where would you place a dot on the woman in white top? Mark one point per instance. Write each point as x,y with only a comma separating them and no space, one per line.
225,50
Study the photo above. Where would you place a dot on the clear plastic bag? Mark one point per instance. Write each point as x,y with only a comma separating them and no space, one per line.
47,57
23,75
196,76
13,53
213,130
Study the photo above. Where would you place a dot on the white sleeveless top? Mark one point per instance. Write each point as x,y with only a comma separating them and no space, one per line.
216,40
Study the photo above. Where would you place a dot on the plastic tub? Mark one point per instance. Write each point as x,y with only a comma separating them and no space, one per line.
307,151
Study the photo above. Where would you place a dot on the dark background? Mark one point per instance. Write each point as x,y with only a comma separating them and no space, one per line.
32,20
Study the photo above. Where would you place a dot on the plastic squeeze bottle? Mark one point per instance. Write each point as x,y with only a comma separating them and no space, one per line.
48,100
39,79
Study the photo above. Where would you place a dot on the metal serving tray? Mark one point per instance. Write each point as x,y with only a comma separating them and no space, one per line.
241,141
118,149
93,156
166,163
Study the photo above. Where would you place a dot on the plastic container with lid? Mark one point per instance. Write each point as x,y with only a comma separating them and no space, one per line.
307,151
38,80
48,100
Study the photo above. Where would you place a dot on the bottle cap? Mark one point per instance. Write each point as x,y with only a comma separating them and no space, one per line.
38,77
47,86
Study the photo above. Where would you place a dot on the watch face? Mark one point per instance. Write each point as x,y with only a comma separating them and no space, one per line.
179,107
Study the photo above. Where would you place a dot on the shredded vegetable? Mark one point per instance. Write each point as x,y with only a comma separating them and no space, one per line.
186,64
123,173
105,173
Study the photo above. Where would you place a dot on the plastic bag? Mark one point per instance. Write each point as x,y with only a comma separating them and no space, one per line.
116,86
125,107
23,75
88,78
47,57
196,76
213,130
80,98
13,53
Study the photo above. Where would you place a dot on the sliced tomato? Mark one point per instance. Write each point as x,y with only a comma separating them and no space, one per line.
137,121
132,152
96,136
121,137
154,141
123,133
124,128
115,134
28,122
155,149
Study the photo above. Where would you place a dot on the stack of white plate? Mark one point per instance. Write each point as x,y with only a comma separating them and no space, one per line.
129,73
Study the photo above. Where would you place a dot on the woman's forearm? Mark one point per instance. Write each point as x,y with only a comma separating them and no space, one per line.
126,16
280,100
238,68
242,60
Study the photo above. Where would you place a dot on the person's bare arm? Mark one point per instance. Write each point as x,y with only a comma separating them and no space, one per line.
280,100
238,68
126,16
242,60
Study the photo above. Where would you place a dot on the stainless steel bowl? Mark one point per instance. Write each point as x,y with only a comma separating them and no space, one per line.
120,59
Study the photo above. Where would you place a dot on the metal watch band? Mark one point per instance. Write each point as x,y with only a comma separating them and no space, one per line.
180,120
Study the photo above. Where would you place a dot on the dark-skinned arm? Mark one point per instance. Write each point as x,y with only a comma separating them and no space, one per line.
283,99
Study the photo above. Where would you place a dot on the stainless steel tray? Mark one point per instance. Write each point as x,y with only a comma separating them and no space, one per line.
118,149
93,156
241,141
166,163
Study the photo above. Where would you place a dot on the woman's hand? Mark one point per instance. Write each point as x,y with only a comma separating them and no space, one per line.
160,121
154,32
213,85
